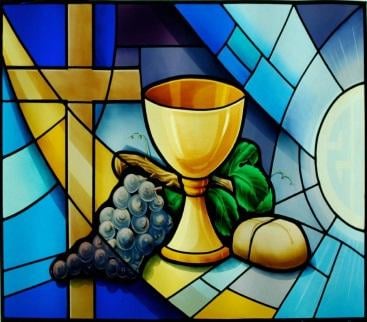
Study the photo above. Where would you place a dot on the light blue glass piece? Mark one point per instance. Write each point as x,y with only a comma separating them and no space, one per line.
38,232
308,170
303,298
285,173
262,23
324,257
26,276
319,206
233,65
294,49
223,275
316,91
15,132
7,91
122,127
352,237
244,49
26,177
344,293
344,51
313,237
269,89
298,209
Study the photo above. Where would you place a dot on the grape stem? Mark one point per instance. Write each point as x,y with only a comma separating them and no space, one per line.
123,160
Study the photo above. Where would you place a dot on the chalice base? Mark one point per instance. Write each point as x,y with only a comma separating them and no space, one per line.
195,241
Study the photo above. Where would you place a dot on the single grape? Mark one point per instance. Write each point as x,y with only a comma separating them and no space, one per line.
159,219
125,238
106,214
156,204
137,206
122,270
107,230
145,243
140,224
98,242
121,197
136,254
100,258
158,235
169,224
112,267
121,218
59,269
147,191
86,252
112,242
74,264
126,255
132,182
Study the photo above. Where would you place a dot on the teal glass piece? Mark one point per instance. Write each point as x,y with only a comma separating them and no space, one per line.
233,65
26,177
325,255
27,276
311,100
7,91
243,48
303,298
285,173
294,50
270,90
261,22
36,233
313,237
344,293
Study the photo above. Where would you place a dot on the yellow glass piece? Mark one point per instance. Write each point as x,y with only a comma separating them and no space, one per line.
30,85
78,226
105,180
84,112
125,85
52,145
79,84
80,34
41,116
81,299
13,51
230,305
168,278
80,165
195,124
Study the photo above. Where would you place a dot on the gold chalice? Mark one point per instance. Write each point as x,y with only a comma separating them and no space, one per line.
194,123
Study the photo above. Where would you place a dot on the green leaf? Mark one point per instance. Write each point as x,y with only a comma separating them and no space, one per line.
244,153
222,210
174,201
266,204
251,187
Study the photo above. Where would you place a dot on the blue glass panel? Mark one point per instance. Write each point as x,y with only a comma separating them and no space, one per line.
316,91
344,51
285,173
127,57
27,276
294,50
321,19
308,170
161,63
322,211
344,293
233,65
122,127
36,233
135,300
324,257
244,49
26,178
210,21
298,209
104,34
269,89
98,108
15,132
7,91
262,23
303,299
41,28
45,301
353,237
313,237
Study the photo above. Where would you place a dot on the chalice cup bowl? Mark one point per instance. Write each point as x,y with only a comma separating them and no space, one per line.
194,123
